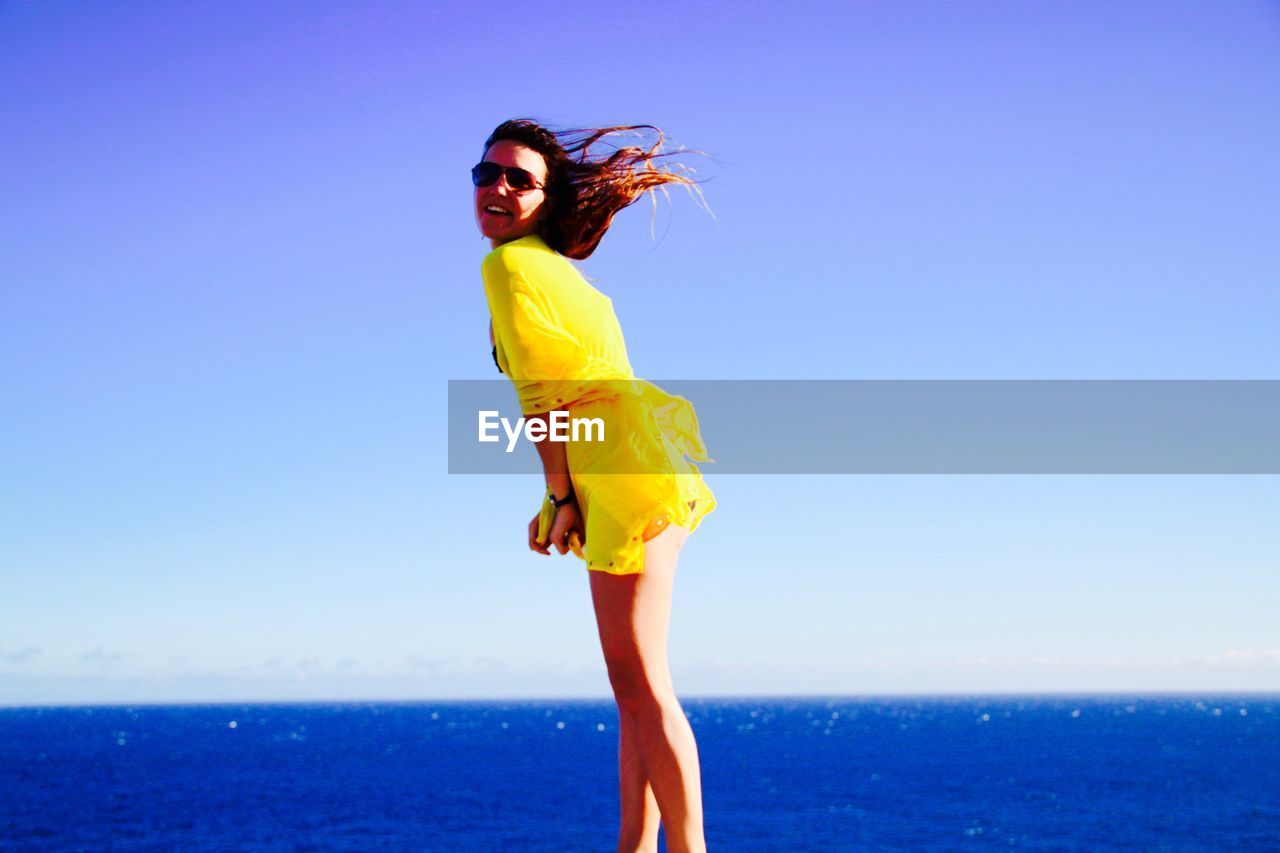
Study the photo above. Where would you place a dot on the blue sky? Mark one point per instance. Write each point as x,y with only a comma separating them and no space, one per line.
239,265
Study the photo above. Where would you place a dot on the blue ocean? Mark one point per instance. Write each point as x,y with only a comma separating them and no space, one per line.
1149,772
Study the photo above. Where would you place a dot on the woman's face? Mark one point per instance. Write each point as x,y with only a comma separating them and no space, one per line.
505,214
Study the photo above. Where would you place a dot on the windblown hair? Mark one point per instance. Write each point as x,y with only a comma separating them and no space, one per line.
585,193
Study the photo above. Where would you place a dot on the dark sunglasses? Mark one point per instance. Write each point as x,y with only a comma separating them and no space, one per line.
486,174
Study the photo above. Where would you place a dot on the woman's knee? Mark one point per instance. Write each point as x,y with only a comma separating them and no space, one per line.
635,687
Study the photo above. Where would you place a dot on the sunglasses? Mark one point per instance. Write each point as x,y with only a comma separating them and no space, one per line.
486,174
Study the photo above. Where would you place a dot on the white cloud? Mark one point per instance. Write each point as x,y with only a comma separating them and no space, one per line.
23,655
1231,658
99,655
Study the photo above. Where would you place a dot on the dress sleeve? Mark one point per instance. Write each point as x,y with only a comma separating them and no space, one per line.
542,356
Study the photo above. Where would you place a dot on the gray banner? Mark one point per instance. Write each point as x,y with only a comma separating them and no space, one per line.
929,426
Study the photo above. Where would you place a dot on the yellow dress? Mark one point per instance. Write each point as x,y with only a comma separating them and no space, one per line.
559,341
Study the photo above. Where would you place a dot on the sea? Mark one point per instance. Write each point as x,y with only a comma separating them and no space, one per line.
1113,772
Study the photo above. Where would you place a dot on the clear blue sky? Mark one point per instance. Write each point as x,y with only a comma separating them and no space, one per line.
239,264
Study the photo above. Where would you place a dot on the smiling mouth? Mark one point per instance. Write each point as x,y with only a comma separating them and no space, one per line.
496,211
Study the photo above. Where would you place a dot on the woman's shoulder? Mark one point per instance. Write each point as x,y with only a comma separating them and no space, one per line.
526,251
531,261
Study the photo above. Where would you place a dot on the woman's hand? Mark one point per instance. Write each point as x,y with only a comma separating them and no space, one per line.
568,520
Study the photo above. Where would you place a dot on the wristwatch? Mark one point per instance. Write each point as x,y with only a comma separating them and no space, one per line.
564,500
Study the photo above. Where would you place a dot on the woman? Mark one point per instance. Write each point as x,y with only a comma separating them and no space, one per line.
626,504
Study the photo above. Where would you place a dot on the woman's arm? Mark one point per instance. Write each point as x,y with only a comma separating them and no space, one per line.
541,350
568,518
540,354
555,463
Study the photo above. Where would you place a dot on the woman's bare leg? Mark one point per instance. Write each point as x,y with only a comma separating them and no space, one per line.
639,807
632,614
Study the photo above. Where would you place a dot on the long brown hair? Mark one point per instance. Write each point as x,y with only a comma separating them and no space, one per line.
584,193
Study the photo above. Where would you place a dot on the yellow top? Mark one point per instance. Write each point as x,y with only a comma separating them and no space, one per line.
559,341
